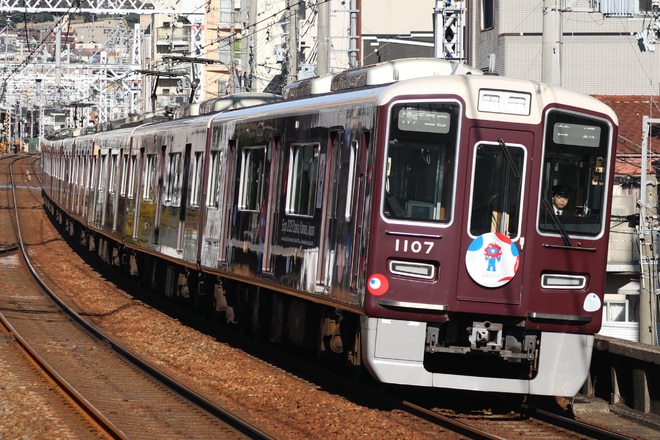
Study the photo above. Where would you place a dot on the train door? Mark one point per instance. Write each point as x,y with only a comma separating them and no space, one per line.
184,197
329,224
158,196
134,196
266,223
80,173
66,178
120,212
494,238
361,217
343,214
101,188
252,220
217,205
87,181
327,188
74,179
93,183
111,190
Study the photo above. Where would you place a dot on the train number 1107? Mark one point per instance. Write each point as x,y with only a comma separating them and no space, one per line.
414,246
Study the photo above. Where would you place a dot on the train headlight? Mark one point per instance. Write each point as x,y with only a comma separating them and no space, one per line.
563,281
413,269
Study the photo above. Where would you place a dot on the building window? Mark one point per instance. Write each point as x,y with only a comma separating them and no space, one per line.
615,311
487,14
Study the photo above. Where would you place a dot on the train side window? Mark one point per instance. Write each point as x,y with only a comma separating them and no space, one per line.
303,179
103,172
124,175
149,189
74,171
217,164
84,170
196,184
173,184
91,176
131,177
79,170
251,185
352,172
67,177
112,179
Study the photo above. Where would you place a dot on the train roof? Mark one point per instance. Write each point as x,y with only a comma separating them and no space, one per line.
487,96
377,74
494,96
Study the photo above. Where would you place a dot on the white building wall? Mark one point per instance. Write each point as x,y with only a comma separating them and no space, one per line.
396,17
600,54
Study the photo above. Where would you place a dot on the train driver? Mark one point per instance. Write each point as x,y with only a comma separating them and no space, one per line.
560,196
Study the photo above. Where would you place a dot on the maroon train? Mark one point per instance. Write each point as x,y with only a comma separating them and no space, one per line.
391,216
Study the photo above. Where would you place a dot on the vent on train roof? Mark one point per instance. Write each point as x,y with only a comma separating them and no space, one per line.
225,103
306,87
377,74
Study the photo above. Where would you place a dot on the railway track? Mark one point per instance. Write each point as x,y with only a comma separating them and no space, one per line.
100,378
424,419
467,415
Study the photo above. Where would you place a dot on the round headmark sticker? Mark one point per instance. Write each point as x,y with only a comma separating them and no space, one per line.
492,259
378,284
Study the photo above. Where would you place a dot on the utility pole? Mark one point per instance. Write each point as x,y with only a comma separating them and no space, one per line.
292,42
648,262
551,43
58,54
323,63
41,109
352,45
252,47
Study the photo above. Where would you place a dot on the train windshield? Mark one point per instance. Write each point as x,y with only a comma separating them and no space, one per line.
497,188
421,161
574,175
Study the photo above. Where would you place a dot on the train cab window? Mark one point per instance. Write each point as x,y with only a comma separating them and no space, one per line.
575,164
251,185
421,162
496,198
303,177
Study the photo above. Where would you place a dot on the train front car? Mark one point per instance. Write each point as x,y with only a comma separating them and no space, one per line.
474,282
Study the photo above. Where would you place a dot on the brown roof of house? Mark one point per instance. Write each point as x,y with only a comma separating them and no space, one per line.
631,111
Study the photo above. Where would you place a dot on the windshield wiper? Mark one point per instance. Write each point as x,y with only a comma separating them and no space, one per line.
557,222
509,158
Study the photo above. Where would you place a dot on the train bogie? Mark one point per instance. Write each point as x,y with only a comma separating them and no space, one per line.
403,225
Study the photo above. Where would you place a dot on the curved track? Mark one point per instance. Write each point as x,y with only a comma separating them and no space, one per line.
95,373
